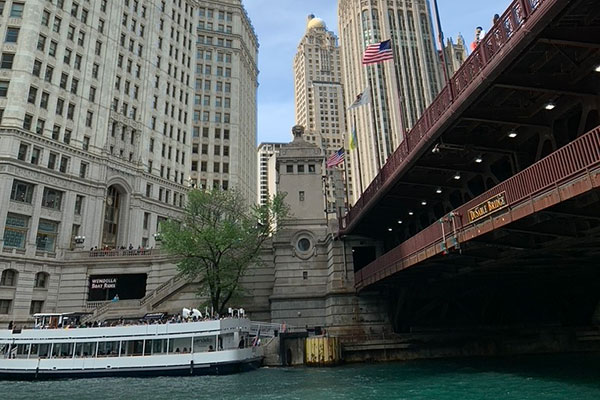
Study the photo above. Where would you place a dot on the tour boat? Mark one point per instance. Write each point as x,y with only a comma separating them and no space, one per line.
187,348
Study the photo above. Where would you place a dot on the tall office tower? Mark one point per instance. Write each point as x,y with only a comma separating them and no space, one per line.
95,105
224,143
456,54
267,154
319,95
400,89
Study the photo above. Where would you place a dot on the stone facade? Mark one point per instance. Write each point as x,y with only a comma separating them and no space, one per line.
225,118
95,105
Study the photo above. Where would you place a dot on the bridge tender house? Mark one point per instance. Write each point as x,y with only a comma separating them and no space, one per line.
488,207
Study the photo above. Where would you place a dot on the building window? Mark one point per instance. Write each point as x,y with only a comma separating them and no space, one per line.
301,195
16,11
27,121
7,60
289,169
35,155
15,231
41,280
146,220
22,191
52,198
46,235
83,167
22,154
12,34
5,306
78,204
36,307
64,163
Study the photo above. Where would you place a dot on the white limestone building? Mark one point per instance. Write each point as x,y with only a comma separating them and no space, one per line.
267,154
96,104
225,119
319,98
400,89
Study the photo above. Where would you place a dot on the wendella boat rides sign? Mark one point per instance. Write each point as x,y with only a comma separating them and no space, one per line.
488,207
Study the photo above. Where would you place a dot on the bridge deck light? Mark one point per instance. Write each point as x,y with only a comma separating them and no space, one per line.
423,203
512,134
597,69
549,105
399,221
411,213
457,176
479,159
438,190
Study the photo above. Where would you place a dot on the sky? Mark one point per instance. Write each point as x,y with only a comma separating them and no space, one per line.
281,24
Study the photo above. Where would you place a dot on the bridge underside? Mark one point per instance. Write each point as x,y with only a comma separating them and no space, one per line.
526,128
540,270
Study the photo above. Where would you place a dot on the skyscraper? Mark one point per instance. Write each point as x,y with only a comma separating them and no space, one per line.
267,153
224,139
95,107
400,89
319,94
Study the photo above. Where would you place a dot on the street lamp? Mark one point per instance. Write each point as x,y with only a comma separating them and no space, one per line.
157,237
79,239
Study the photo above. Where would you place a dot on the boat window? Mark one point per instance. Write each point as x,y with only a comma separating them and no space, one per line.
86,349
159,346
62,350
132,348
202,343
42,350
22,350
108,349
181,345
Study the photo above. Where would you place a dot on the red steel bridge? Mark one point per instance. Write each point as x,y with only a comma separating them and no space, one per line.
490,207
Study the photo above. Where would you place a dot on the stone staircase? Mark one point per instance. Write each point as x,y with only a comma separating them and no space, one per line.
138,307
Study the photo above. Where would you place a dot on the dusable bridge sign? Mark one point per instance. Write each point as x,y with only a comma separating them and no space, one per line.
488,207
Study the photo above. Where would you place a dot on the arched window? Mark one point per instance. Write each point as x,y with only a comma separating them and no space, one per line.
41,280
8,278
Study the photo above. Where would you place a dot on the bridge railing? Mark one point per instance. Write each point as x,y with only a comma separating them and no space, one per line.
489,48
570,160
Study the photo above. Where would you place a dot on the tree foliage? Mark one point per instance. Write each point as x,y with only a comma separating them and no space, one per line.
217,239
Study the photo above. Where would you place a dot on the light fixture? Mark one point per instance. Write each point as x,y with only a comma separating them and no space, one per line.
479,159
549,105
410,213
457,176
390,229
597,69
399,221
438,190
512,134
423,203
79,239
436,149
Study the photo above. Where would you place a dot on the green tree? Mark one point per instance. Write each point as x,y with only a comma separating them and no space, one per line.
217,239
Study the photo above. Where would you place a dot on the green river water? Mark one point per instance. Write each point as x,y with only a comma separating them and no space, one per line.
571,377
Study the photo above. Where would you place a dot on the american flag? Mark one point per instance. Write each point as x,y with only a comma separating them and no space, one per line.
378,52
336,158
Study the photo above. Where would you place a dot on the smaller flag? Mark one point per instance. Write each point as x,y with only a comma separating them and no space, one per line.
362,98
336,158
353,139
256,340
378,52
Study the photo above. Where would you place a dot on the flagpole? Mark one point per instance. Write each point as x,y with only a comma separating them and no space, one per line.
400,103
375,136
441,40
359,163
346,179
